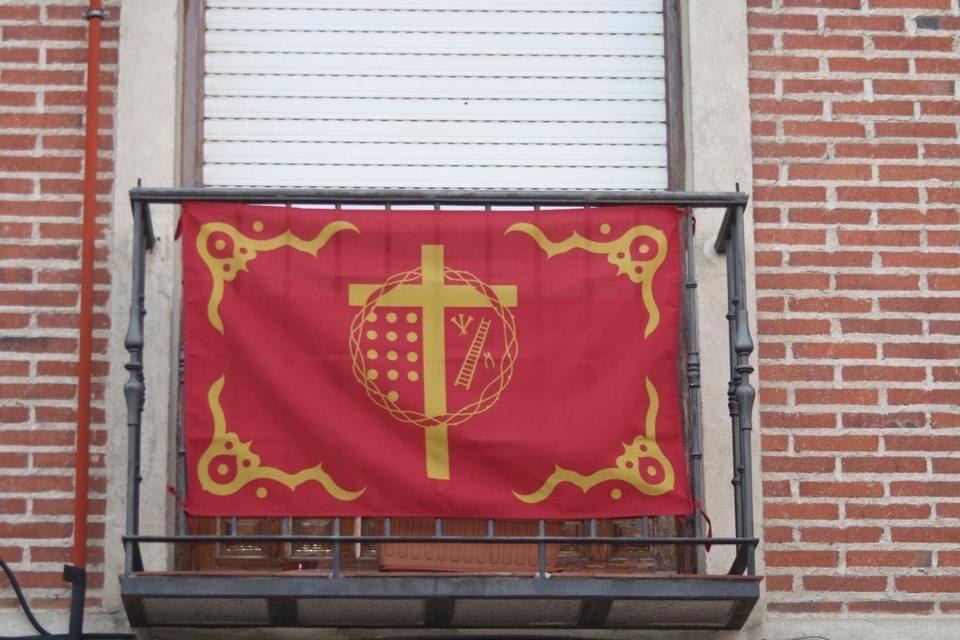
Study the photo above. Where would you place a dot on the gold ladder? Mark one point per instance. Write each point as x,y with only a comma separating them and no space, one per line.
469,366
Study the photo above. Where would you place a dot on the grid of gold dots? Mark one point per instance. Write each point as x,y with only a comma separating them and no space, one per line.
401,355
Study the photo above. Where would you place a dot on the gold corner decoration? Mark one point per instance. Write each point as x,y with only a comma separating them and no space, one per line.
241,249
642,465
237,466
619,253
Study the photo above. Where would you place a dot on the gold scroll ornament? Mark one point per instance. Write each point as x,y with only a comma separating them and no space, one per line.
245,249
640,271
247,465
226,445
641,460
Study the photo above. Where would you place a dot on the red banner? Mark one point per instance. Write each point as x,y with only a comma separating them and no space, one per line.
498,364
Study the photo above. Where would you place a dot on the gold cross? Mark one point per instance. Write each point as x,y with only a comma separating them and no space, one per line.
433,296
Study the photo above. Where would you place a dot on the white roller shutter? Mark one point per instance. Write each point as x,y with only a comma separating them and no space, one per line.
559,94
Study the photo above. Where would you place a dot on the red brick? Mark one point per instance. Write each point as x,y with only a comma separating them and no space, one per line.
794,327
877,108
946,465
821,43
772,350
836,443
928,584
759,42
787,107
913,87
948,510
869,150
828,4
877,282
884,372
830,259
790,464
793,282
884,464
35,529
803,511
916,129
917,173
806,607
865,23
790,194
39,120
774,420
878,194
909,4
825,171
941,108
776,488
48,164
835,535
783,63
899,420
831,305
835,350
778,583
896,238
926,217
924,396
944,196
791,150
837,396
888,511
914,350
937,65
797,372
793,236
889,325
945,327
801,558
913,43
845,489
822,86
876,558
922,443
889,606
926,489
782,22
941,151
40,76
844,583
777,534
924,305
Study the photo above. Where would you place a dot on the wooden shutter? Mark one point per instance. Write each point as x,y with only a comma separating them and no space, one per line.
435,94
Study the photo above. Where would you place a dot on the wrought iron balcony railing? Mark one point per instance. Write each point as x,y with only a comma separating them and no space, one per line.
327,585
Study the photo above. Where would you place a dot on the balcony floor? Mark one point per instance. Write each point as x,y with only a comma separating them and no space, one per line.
423,601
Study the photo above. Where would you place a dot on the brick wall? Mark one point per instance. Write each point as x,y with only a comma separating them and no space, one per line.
42,92
857,166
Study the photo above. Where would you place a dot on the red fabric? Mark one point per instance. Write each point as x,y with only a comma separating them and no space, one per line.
312,337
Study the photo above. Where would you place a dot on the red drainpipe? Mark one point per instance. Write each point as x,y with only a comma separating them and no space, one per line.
94,17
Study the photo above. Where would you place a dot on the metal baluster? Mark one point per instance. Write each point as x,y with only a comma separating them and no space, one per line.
541,549
745,393
181,488
335,560
134,389
732,303
388,526
693,377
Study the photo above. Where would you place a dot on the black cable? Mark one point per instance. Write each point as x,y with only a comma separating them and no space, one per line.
43,634
23,601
